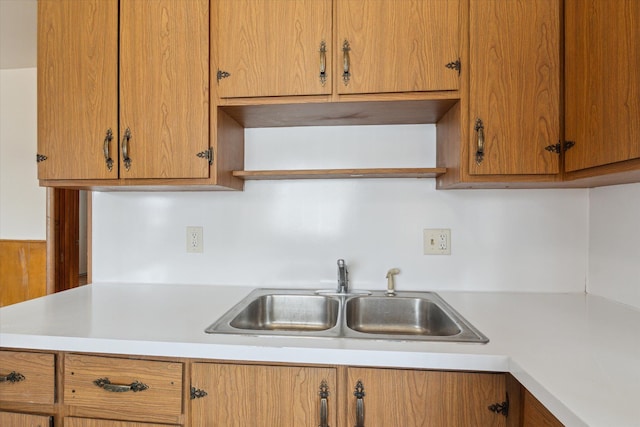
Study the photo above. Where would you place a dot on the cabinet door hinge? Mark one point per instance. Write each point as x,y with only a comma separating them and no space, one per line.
500,408
196,393
560,148
455,65
207,154
41,158
222,75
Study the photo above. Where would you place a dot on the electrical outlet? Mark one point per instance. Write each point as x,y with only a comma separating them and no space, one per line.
194,240
437,241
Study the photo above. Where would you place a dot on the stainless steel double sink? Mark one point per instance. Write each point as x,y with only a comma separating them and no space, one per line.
413,316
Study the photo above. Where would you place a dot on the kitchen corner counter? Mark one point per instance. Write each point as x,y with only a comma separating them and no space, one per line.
578,354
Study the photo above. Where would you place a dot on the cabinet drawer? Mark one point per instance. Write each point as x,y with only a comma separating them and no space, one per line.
24,420
27,377
115,388
87,422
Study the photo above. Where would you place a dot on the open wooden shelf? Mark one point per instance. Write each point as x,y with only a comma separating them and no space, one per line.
340,173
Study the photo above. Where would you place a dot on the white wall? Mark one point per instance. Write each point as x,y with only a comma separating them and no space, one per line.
22,202
290,233
614,247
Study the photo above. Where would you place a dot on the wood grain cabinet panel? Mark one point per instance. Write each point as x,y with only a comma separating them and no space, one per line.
164,87
602,82
23,270
77,88
96,387
87,422
397,46
27,377
397,397
14,419
514,89
273,47
123,94
261,396
534,414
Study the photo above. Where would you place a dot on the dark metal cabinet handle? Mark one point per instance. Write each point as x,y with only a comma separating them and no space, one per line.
323,62
324,410
13,377
479,128
106,148
105,384
359,394
346,62
125,148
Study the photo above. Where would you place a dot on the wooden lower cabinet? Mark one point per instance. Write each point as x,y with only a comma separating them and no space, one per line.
98,391
88,422
123,389
256,395
15,419
27,378
534,414
407,397
262,396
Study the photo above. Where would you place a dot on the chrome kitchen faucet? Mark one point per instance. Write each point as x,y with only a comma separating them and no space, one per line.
343,277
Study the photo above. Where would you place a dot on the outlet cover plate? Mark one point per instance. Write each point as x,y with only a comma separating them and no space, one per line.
437,241
194,240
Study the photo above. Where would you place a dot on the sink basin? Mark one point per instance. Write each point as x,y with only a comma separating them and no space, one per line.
288,313
399,316
408,316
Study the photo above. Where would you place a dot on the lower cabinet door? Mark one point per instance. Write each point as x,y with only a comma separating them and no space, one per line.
397,397
262,396
87,422
535,414
15,419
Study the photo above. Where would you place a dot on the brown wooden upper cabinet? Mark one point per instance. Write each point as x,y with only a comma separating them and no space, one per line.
284,47
274,47
397,46
602,83
514,93
123,89
77,89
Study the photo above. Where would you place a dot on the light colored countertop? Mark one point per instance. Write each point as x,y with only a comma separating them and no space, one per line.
578,354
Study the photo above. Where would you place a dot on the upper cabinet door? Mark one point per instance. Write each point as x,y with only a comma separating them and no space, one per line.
274,47
602,81
514,86
78,89
397,45
164,88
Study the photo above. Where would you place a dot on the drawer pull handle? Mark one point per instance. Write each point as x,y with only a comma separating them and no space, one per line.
479,128
125,149
359,394
107,157
323,63
13,377
324,411
105,384
346,62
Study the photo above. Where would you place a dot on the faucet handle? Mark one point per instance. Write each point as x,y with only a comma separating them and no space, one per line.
391,287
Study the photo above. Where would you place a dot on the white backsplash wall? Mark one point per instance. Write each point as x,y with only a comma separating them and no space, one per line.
614,247
290,233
